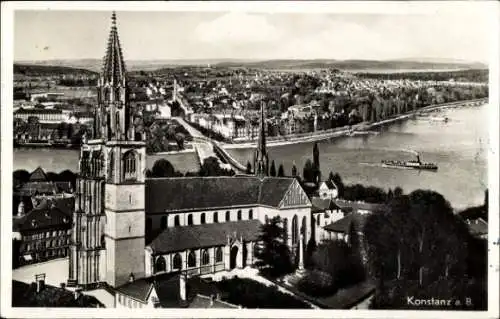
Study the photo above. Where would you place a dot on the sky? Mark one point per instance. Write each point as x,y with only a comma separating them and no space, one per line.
49,34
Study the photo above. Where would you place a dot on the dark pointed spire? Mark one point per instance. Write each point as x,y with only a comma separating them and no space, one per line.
261,162
262,131
114,67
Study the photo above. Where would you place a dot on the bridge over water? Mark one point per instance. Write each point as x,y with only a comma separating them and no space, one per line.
206,147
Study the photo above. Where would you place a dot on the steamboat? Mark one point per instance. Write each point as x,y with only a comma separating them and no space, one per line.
416,164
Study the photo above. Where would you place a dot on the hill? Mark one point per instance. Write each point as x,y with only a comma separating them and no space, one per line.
95,65
356,65
41,70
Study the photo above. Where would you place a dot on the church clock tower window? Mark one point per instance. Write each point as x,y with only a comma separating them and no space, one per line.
129,166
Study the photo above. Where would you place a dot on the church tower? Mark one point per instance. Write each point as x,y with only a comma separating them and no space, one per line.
261,160
111,189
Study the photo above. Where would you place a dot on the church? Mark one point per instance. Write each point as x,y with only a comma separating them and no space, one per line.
128,228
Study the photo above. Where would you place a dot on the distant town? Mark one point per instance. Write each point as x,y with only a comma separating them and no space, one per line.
233,234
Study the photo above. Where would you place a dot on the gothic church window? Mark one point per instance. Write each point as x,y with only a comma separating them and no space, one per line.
177,220
117,117
111,165
190,219
218,254
250,214
228,216
191,259
160,264
129,165
205,257
177,261
203,220
239,215
216,217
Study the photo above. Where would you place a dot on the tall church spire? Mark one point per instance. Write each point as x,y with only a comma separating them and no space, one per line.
114,116
261,159
262,131
113,71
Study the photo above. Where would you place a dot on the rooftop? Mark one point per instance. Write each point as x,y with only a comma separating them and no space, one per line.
207,235
205,193
320,204
42,217
26,295
342,225
167,289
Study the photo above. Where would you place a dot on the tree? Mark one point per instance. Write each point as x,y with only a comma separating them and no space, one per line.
61,129
430,246
390,195
211,167
334,257
249,168
281,171
70,131
398,192
163,168
316,156
20,176
33,120
51,176
308,171
68,176
179,138
340,184
316,168
330,176
272,170
273,254
294,170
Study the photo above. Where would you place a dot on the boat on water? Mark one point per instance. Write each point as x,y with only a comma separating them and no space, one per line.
362,133
433,118
416,164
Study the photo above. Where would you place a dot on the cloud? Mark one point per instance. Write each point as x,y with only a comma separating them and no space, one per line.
238,28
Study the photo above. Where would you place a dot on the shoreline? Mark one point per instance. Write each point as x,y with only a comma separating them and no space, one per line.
319,136
360,127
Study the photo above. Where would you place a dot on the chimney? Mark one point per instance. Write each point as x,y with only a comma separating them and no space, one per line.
20,209
40,282
182,286
131,278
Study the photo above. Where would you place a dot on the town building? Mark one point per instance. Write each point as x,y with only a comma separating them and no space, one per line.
324,212
355,214
232,127
42,233
328,189
170,291
38,184
35,97
39,294
43,115
205,224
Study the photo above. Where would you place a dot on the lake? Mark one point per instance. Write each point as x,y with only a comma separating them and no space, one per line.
458,147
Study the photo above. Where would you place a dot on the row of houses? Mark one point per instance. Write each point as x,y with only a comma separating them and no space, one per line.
42,219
